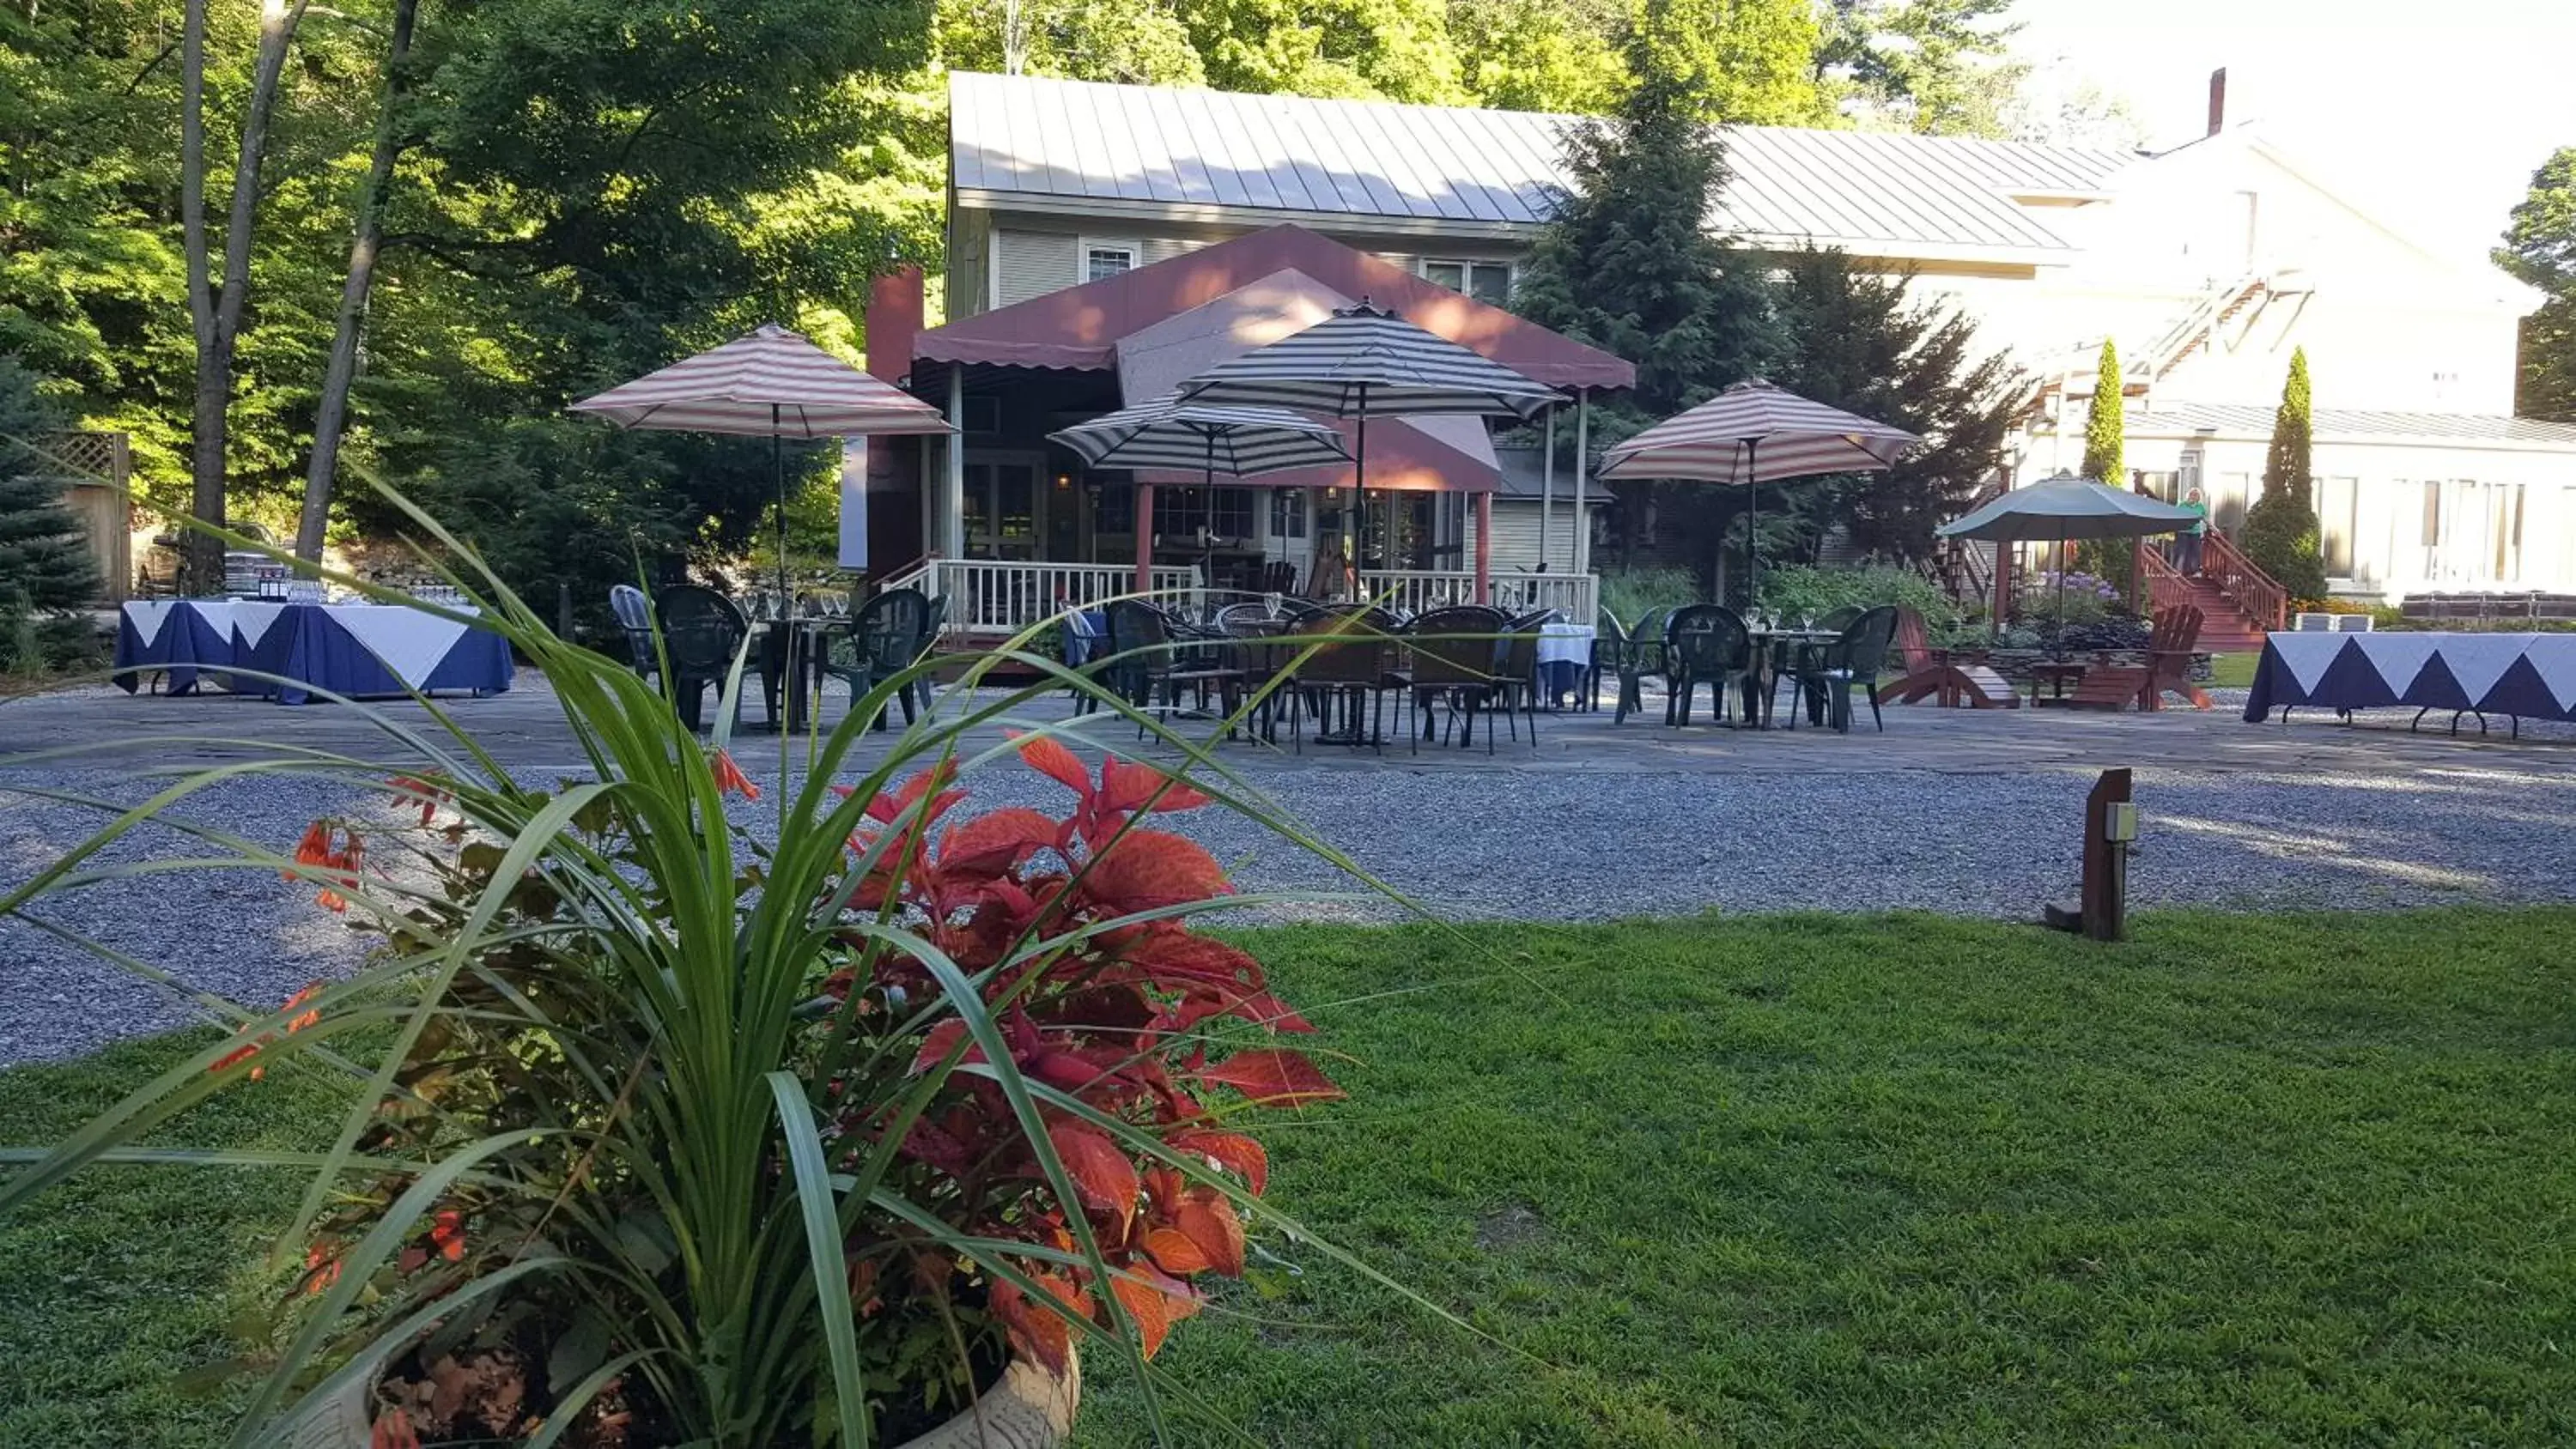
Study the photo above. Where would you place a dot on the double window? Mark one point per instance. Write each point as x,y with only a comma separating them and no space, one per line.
1484,281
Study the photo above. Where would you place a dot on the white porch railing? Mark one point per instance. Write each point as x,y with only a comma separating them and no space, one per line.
1001,596
1576,596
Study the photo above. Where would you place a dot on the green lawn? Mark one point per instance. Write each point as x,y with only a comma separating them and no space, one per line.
1797,1180
2232,671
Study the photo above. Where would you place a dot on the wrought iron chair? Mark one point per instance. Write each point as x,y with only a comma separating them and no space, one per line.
1457,657
1705,644
1347,655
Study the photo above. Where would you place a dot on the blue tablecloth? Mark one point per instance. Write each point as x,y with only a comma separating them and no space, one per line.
180,639
2527,676
356,650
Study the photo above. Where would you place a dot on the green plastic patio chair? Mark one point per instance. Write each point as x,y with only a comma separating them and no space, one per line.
1705,644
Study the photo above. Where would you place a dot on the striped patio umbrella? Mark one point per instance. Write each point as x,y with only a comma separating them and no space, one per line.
1755,433
1361,363
770,384
1240,442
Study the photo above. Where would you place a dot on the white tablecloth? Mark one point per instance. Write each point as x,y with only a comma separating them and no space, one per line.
1564,643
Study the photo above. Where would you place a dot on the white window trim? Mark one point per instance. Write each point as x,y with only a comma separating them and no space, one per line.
1467,271
1084,246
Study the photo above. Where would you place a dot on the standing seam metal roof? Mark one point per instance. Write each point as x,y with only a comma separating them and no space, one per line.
1073,141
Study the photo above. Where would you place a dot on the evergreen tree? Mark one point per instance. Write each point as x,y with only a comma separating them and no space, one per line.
2102,440
1627,264
1857,340
2281,532
2540,248
46,573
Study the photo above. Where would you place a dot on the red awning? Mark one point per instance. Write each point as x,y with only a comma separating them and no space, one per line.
1080,327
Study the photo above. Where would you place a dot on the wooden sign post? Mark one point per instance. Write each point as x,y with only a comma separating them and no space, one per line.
2110,825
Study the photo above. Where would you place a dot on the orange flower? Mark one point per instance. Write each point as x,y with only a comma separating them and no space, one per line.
729,777
321,1270
447,1234
314,848
307,1018
344,863
239,1054
426,793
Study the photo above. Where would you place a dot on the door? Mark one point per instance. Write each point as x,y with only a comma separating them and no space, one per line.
1003,505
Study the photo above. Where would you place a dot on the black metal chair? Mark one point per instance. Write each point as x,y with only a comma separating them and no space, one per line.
1705,644
1827,672
1516,670
1456,657
1352,659
1152,652
891,632
702,633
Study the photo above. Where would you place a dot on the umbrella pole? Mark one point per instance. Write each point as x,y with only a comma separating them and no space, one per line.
1752,529
1207,510
778,480
2057,643
1355,519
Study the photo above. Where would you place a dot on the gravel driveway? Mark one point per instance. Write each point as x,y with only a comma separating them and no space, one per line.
1499,840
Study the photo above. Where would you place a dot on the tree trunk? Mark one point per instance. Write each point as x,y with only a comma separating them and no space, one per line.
333,412
202,558
218,319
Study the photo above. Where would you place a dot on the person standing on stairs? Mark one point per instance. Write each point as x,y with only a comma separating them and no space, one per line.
2187,544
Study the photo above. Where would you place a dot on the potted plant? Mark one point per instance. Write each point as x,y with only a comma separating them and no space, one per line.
668,1127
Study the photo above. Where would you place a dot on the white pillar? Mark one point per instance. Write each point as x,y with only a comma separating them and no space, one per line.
1547,486
1582,445
952,501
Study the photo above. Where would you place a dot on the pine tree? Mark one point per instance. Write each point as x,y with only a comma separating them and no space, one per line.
2281,532
1627,264
2112,560
46,574
2102,441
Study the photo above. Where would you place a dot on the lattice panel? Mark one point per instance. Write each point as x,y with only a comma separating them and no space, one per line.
103,456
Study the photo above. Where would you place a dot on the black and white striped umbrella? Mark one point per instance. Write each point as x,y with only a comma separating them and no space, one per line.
1239,442
1361,363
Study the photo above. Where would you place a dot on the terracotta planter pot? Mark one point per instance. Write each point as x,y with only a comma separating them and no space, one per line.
1028,1409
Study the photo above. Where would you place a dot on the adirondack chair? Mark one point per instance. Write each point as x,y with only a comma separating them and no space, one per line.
1931,674
2168,667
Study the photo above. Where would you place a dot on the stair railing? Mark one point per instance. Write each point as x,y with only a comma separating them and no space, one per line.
2164,585
2239,578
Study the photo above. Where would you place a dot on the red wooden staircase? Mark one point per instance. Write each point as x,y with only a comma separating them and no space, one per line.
2239,603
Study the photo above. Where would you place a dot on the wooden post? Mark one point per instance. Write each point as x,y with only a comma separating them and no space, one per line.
2110,824
1144,538
1484,548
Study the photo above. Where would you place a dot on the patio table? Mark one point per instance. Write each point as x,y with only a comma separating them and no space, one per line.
1770,647
2054,675
362,651
1564,652
2518,675
179,639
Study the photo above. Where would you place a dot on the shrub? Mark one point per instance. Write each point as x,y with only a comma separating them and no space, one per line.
1629,594
775,1136
1811,592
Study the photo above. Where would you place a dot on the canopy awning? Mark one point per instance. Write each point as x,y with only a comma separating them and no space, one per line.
1429,454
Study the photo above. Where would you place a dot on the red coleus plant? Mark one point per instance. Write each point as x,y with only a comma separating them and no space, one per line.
1100,991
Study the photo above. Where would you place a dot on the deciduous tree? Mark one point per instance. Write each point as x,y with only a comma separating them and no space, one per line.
2540,248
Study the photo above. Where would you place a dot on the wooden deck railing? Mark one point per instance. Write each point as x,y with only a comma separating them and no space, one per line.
1576,596
995,597
2256,592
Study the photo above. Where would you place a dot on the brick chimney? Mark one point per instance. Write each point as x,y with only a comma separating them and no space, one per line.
894,319
2218,100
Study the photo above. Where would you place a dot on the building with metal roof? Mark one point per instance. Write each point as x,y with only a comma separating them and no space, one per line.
2208,264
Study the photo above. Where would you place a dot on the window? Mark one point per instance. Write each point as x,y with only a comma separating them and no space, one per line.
1484,281
1288,512
1102,260
2227,505
2507,501
2432,536
2336,499
1179,513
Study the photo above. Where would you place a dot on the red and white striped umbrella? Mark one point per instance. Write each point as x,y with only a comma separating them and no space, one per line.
1755,433
770,384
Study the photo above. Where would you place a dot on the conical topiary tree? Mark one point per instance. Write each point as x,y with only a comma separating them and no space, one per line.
2112,560
2281,533
47,576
